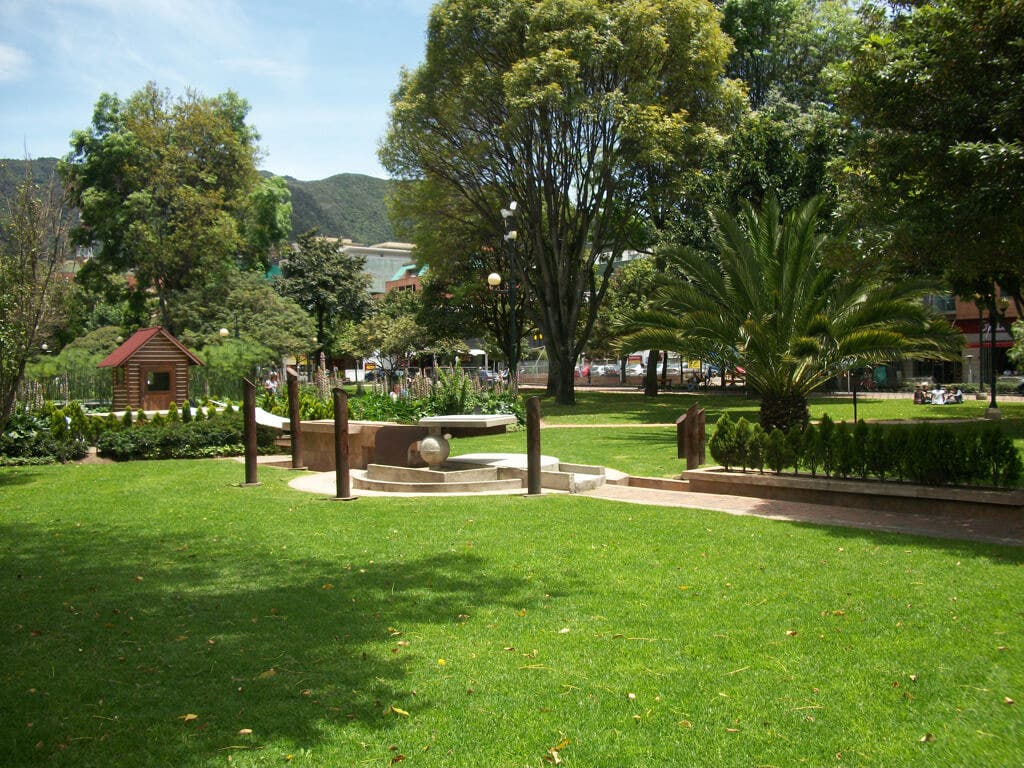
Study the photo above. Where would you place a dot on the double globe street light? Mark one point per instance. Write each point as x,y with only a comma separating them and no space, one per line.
494,281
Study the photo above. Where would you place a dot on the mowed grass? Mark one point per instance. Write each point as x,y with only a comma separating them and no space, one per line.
636,434
155,614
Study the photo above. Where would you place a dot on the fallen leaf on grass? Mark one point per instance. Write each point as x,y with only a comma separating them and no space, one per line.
245,732
791,632
1008,700
268,674
327,586
927,737
189,717
396,759
398,711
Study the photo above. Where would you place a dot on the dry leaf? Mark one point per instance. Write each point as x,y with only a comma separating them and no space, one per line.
245,732
397,759
791,632
685,724
269,673
927,737
327,586
563,631
189,717
398,711
1008,700
913,678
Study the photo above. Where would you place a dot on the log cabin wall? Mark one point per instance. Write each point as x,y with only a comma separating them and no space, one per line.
156,354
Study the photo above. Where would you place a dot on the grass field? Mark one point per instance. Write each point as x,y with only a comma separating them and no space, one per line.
636,434
155,614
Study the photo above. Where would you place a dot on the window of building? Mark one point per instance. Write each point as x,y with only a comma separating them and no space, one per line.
158,381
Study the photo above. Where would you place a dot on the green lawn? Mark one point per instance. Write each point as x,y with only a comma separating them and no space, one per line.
605,428
155,614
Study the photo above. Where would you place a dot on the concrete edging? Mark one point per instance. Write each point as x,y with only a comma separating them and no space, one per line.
868,494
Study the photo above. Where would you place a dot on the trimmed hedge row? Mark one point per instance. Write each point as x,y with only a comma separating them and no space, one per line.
219,435
925,453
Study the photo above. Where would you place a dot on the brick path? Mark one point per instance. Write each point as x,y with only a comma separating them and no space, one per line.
1007,528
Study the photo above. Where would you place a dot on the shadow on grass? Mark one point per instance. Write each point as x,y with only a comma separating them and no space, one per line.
1003,554
114,640
21,477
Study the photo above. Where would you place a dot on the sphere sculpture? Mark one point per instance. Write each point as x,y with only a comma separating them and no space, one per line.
434,449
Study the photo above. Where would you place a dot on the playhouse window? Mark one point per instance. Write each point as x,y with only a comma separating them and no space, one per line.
158,381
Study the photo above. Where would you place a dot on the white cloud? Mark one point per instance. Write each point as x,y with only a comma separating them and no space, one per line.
14,63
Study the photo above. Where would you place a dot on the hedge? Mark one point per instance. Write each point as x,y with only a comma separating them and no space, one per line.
927,454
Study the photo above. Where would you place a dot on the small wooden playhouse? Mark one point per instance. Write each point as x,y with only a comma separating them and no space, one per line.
150,371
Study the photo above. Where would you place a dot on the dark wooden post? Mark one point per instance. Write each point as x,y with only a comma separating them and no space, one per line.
690,437
341,469
249,432
533,446
295,427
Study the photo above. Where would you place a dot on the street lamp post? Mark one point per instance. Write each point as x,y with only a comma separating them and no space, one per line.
494,280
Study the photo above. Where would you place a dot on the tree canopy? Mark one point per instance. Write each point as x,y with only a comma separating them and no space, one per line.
561,106
33,246
791,321
167,190
937,180
325,281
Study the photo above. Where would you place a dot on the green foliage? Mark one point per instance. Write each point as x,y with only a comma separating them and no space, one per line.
33,246
723,445
43,437
925,454
757,448
779,452
163,185
127,420
791,321
597,104
221,435
186,412
318,275
172,413
345,205
935,179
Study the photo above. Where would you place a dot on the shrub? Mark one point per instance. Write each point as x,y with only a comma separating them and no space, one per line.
778,450
757,447
723,444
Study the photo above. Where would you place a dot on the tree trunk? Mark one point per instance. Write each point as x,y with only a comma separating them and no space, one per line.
784,412
651,373
560,377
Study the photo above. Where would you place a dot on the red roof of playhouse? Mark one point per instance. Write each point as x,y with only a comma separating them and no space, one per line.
137,341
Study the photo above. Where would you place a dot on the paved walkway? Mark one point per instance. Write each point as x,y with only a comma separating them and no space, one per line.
1003,529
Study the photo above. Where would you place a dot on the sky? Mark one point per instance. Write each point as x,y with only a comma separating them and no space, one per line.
318,74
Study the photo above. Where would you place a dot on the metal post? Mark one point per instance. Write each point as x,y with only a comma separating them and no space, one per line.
295,418
341,469
533,484
510,236
249,432
993,409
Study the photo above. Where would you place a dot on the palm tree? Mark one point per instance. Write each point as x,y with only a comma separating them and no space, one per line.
793,321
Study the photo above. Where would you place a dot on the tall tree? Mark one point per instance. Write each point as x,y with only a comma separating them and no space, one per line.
168,190
937,180
560,106
33,246
791,321
327,282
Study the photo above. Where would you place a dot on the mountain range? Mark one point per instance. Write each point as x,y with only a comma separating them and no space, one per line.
348,205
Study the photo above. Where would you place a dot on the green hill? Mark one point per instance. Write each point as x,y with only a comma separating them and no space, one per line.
347,205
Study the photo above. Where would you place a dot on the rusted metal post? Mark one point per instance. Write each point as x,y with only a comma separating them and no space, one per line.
690,437
533,446
295,417
341,468
249,432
